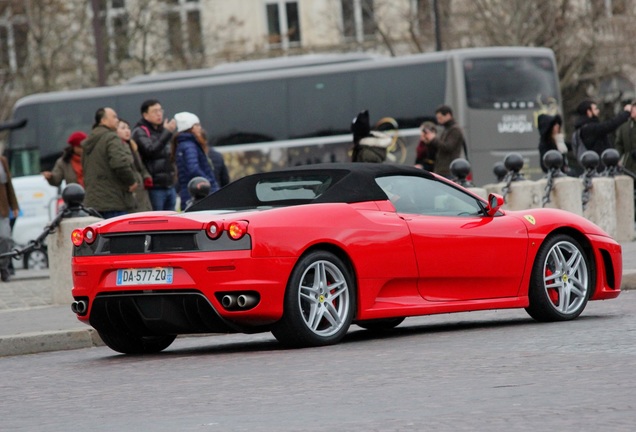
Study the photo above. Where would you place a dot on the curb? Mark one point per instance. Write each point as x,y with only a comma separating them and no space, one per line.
629,280
39,342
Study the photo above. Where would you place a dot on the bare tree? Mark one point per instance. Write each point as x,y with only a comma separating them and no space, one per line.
53,44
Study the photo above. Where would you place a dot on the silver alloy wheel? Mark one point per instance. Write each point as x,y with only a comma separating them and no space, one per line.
324,298
565,277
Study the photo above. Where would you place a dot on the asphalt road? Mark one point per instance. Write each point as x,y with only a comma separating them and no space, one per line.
487,371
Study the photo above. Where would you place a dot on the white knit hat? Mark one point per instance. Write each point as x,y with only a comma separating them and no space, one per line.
185,120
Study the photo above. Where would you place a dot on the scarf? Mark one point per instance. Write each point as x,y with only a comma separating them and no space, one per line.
76,164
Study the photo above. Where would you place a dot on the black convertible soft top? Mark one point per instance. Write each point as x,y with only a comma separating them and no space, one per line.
348,183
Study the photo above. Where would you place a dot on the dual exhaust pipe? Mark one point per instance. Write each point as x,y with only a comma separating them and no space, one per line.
241,301
80,307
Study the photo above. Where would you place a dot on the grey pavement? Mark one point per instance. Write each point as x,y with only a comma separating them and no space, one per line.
30,322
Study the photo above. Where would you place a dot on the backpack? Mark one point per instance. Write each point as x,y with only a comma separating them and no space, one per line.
578,146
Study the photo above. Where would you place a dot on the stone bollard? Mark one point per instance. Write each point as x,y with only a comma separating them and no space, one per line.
624,208
601,208
565,195
60,252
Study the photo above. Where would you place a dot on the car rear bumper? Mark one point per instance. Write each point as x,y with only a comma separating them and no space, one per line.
192,302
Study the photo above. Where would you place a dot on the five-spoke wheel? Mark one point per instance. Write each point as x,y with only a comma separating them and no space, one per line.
561,280
319,302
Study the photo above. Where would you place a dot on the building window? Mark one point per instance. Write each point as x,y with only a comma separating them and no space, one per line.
358,22
13,35
184,27
113,19
283,24
608,8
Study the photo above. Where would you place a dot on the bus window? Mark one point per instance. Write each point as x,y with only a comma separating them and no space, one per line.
307,93
246,112
408,93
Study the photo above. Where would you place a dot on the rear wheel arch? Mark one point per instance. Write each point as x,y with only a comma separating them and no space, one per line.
344,257
315,314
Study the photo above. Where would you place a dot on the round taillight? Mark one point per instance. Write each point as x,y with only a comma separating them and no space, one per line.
77,237
89,235
236,230
214,229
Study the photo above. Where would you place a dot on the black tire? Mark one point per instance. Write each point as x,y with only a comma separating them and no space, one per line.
130,344
380,325
319,302
561,280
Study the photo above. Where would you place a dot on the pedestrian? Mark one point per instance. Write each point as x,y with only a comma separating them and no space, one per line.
626,142
425,152
68,168
368,145
593,132
189,152
220,169
153,135
141,173
8,206
626,146
551,138
221,172
451,144
109,178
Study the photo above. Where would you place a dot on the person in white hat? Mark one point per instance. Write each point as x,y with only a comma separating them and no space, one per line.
189,152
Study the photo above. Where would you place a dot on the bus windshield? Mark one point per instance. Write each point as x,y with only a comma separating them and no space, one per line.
510,82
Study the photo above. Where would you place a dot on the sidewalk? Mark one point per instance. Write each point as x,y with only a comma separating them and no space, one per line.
30,323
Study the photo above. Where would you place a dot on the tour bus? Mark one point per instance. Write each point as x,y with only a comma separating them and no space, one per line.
260,65
266,119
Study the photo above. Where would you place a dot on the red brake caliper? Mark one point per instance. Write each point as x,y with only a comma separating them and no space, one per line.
553,293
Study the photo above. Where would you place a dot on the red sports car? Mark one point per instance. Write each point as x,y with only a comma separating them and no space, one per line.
306,252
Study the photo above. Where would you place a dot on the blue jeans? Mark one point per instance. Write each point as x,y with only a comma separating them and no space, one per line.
163,198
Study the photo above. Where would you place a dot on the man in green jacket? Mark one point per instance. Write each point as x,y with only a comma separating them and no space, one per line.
107,163
626,141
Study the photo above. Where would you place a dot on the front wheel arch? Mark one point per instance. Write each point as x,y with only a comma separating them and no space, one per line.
562,279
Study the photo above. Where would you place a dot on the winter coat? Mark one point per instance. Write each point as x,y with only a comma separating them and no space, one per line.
154,148
595,133
626,145
62,171
220,170
449,147
191,162
371,148
108,172
545,123
425,154
141,173
8,198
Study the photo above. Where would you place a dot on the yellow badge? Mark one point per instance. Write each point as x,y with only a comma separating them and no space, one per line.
530,219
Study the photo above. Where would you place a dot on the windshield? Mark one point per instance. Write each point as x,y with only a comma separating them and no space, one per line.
510,82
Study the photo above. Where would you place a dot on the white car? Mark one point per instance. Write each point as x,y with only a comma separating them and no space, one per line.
38,203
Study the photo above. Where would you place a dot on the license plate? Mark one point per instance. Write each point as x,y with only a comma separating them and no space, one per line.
144,276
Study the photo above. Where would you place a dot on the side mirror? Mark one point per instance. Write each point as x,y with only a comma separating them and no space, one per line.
495,201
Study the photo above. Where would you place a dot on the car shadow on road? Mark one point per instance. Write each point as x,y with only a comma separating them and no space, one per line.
230,344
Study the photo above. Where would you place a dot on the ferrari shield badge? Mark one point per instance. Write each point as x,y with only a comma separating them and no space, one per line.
530,219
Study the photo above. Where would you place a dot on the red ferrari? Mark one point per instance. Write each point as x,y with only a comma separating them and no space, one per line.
306,252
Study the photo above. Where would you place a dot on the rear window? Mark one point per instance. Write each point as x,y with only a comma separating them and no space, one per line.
292,188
